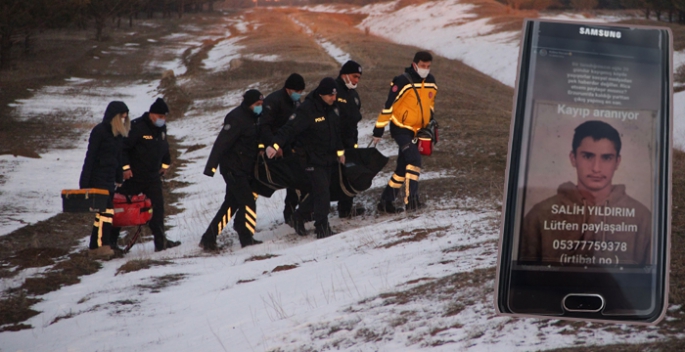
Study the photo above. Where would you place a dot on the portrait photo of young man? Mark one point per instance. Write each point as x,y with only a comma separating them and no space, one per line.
591,220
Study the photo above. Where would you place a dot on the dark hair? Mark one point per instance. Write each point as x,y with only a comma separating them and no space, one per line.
597,130
423,56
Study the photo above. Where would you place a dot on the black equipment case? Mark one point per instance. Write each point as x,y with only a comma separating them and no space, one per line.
87,200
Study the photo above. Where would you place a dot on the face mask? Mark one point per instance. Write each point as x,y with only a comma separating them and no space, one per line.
349,85
160,122
257,109
295,96
123,120
423,72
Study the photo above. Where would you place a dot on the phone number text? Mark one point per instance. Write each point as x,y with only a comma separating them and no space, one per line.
597,246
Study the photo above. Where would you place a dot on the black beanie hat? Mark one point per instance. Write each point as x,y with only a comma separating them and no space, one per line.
114,108
294,82
351,67
252,96
327,86
159,107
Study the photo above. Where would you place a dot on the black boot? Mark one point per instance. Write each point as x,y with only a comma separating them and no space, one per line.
208,242
248,240
114,240
298,224
163,243
387,207
414,205
323,230
351,213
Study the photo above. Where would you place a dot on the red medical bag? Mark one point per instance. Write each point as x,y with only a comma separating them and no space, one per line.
131,210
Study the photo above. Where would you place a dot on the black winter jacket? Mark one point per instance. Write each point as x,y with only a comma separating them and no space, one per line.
146,150
350,105
278,107
315,129
235,149
102,165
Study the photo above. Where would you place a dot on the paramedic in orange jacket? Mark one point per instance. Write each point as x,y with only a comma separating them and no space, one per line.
409,107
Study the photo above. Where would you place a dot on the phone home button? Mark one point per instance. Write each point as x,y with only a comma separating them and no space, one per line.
583,302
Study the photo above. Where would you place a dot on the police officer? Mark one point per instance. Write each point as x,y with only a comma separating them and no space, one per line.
146,159
234,152
409,107
350,104
315,127
278,107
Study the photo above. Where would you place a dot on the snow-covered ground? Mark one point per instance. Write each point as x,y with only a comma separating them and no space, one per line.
306,294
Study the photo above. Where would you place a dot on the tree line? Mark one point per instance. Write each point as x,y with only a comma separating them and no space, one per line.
20,20
662,10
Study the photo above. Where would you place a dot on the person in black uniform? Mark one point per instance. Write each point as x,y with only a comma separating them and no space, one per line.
350,104
315,128
278,106
146,159
234,152
102,169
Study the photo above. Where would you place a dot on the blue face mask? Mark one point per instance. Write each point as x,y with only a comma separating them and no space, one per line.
295,96
160,122
257,109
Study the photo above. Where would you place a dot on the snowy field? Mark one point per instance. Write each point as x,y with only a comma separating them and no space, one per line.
305,294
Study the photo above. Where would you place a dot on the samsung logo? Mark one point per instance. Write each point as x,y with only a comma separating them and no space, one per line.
600,33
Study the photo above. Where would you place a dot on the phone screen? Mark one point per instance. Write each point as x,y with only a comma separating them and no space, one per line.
585,227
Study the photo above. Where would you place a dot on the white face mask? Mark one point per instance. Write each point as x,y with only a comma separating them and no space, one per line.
349,85
423,72
123,120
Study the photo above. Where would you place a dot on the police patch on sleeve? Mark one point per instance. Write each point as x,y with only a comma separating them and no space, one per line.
227,127
395,88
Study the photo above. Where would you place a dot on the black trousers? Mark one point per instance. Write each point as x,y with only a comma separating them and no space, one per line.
240,202
291,202
407,171
318,200
102,227
345,204
292,199
152,190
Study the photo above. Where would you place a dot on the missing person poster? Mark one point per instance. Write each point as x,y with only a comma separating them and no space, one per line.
595,97
585,226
